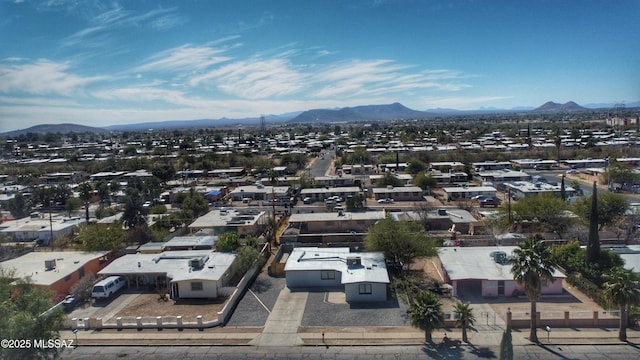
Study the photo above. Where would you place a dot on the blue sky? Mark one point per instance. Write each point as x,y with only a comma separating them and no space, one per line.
103,63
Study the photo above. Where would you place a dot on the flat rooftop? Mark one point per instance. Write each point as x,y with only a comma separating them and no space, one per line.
476,263
173,264
228,217
372,266
33,264
333,216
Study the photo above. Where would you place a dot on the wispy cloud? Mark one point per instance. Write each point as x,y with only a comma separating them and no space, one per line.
254,78
168,21
362,77
142,94
117,18
185,58
42,77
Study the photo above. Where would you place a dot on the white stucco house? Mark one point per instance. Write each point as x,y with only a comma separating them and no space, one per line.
186,274
362,275
484,270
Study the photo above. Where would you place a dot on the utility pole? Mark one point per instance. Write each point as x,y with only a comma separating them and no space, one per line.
50,224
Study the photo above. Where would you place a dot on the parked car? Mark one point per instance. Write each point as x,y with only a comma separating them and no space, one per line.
480,197
307,200
385,201
489,202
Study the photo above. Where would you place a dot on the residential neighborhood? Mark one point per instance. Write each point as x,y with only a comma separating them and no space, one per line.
194,235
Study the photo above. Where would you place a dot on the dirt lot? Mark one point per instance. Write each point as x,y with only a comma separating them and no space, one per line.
150,305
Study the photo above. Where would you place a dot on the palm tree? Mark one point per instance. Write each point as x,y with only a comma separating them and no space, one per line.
532,267
86,193
465,317
426,313
621,290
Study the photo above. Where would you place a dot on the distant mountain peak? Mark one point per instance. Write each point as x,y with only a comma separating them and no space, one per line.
553,107
362,113
56,128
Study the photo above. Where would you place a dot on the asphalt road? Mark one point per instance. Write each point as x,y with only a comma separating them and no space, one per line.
322,164
613,352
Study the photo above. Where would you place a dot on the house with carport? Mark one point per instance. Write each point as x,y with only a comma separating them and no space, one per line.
362,275
484,270
185,274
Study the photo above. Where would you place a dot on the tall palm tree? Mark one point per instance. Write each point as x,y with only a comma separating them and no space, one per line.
532,267
85,193
426,313
621,289
465,317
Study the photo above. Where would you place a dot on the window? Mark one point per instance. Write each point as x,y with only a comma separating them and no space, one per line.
364,289
196,286
81,272
67,278
328,275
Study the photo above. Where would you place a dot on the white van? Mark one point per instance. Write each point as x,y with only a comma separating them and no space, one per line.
107,287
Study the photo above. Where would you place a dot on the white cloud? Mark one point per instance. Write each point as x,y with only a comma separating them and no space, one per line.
358,78
141,94
167,22
255,78
185,58
102,25
42,77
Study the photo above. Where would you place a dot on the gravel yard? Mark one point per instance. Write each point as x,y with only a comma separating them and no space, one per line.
150,305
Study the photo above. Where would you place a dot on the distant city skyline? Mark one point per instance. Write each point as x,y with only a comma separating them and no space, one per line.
100,63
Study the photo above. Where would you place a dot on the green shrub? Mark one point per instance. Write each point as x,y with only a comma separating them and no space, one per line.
158,209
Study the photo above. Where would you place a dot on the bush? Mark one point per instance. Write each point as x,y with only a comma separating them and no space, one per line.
587,287
82,289
103,212
158,209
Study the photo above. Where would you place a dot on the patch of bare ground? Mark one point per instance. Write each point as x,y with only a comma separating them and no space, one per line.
151,305
572,300
426,268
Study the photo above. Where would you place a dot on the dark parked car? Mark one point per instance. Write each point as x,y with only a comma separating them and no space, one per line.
489,202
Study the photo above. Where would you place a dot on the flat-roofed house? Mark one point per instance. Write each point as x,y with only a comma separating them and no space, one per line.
399,193
484,270
57,270
187,274
222,220
362,275
458,193
329,227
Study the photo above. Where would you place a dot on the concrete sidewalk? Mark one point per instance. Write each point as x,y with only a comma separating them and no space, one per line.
339,336
284,320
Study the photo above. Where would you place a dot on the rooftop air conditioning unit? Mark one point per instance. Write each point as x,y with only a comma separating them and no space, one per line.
50,264
354,261
196,263
500,257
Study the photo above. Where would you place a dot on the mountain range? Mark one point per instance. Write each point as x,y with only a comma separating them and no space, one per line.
395,111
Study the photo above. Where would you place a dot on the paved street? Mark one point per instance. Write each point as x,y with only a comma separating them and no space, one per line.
613,352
